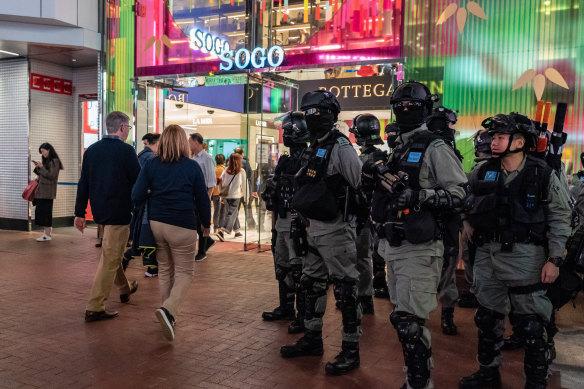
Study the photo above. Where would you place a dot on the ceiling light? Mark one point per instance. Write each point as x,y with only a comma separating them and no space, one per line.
74,60
9,53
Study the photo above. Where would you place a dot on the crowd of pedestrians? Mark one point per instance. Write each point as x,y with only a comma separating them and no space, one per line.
156,204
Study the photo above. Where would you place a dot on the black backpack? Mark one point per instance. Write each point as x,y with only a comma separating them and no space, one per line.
569,282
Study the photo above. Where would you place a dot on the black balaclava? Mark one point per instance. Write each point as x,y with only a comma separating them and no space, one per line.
409,120
319,125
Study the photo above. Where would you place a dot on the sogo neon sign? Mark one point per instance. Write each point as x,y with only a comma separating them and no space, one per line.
242,59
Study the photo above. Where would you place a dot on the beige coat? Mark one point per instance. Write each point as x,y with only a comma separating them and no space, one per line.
48,177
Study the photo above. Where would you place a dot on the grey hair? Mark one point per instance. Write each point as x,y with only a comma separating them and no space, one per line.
114,121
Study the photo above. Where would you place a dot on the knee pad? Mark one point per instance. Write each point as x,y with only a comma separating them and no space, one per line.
281,272
408,326
531,326
486,319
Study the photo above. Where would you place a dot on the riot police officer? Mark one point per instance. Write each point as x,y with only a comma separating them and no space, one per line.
482,146
422,179
366,128
278,198
521,211
330,173
440,123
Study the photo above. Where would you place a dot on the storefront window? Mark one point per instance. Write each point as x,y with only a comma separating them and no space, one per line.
200,36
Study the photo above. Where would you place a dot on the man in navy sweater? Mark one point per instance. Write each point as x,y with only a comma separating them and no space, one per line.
109,171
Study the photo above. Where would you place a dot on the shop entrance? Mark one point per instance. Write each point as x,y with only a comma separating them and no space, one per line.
230,112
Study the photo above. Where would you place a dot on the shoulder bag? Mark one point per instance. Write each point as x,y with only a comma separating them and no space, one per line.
224,190
30,190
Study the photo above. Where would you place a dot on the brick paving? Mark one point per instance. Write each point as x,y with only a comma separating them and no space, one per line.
221,341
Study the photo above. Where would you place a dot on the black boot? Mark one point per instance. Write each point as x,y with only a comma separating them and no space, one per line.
447,324
486,377
367,305
490,325
535,364
345,361
309,344
286,309
468,300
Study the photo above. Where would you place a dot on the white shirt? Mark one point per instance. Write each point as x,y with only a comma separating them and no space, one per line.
208,167
237,184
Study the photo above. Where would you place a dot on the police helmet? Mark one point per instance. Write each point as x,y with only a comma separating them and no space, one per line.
511,124
482,142
366,129
439,122
414,92
391,128
320,100
294,128
442,113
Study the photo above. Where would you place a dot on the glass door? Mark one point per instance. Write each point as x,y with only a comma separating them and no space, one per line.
269,96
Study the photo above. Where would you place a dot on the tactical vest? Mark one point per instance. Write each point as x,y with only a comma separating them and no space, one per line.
317,196
284,180
510,213
417,225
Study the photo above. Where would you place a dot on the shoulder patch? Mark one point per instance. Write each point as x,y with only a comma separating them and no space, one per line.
414,156
341,140
491,175
321,153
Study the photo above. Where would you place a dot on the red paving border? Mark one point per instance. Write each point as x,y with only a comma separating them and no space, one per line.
221,341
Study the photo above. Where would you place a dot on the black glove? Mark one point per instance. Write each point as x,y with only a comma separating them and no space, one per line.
406,199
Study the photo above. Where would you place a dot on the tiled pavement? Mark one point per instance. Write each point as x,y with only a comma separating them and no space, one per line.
221,340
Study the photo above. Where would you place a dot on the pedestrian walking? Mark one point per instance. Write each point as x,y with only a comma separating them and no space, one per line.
216,198
200,155
173,186
234,185
108,173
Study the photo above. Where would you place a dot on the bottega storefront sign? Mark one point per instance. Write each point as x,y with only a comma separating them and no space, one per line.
359,93
242,58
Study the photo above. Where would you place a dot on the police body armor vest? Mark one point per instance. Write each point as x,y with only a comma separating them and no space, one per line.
414,225
284,180
511,213
317,196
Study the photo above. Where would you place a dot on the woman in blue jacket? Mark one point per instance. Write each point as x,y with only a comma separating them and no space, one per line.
174,187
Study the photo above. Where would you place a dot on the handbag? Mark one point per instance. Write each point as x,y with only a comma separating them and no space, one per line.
224,191
30,190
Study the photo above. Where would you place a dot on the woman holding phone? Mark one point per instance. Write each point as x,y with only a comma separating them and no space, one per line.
47,171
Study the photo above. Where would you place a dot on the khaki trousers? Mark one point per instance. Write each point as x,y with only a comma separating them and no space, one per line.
176,247
109,270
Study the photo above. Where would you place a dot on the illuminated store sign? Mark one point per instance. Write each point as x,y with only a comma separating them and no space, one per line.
242,59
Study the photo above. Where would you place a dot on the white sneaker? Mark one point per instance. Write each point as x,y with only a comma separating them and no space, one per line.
43,238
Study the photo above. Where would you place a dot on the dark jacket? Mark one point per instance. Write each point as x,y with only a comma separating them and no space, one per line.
145,155
48,177
109,171
176,193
